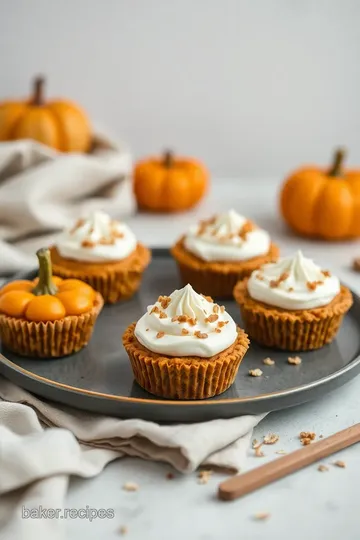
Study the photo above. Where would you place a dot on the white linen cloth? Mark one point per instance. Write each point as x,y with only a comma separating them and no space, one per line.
43,191
42,444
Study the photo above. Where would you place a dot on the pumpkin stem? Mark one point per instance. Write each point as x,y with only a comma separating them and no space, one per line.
45,284
168,159
38,91
338,161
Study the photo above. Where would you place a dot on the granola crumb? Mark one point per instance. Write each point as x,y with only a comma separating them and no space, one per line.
255,443
255,372
208,298
212,318
123,530
326,273
294,360
130,486
323,468
170,476
204,476
271,438
221,324
200,335
261,516
306,437
268,361
222,309
340,464
217,330
87,244
162,315
160,335
291,289
356,264
185,332
281,452
216,308
155,309
258,451
164,301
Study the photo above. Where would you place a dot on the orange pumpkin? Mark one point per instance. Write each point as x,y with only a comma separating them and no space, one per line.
46,298
169,184
59,123
323,203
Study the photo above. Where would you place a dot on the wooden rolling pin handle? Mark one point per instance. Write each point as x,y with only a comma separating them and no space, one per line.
242,484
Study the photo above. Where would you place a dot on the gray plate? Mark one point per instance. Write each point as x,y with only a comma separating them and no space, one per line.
99,378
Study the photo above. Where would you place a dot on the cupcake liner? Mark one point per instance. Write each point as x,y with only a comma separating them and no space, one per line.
184,378
115,282
49,339
216,279
302,330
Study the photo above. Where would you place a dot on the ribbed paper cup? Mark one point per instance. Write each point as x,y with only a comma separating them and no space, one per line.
184,377
216,279
49,339
114,281
301,330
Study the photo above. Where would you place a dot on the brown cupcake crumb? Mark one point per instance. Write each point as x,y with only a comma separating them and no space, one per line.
217,330
291,289
220,324
107,241
162,315
117,234
245,229
130,486
204,476
123,530
306,437
340,464
268,361
257,449
312,285
262,516
326,273
147,330
160,335
271,438
356,264
208,298
182,318
78,224
200,335
164,301
276,282
216,308
184,332
222,309
155,309
323,468
192,321
260,277
174,319
294,360
255,372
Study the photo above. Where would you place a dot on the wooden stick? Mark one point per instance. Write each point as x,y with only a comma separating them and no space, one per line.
261,476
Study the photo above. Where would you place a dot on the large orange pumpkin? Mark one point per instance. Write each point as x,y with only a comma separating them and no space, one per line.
60,123
323,203
46,298
169,184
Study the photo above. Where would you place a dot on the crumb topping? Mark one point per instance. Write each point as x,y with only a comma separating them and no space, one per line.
261,516
255,372
184,332
130,486
306,437
326,273
212,318
200,335
208,298
268,361
322,468
312,285
276,282
87,244
160,335
204,476
340,464
294,360
248,227
164,301
162,315
216,308
271,438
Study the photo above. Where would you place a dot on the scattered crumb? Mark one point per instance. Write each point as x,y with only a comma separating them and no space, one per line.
212,318
123,529
291,289
255,372
340,464
217,330
306,437
216,308
323,468
255,443
170,476
131,486
204,476
281,452
222,309
257,448
294,360
356,264
147,329
200,335
268,361
208,298
261,516
271,438
160,335
326,273
162,315
184,332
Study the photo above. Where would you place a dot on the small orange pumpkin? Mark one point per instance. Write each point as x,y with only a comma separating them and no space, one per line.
46,298
60,124
169,184
323,203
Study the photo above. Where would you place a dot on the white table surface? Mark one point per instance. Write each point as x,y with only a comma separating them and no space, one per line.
308,505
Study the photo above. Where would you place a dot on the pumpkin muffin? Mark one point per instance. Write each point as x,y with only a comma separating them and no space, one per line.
185,347
47,317
104,253
215,254
292,304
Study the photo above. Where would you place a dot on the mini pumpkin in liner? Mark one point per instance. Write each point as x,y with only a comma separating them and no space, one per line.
323,203
169,184
47,317
60,123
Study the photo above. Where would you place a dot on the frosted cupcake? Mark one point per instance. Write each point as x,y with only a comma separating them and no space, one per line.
293,304
220,251
185,347
104,253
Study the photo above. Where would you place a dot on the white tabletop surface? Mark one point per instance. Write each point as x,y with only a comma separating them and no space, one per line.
309,505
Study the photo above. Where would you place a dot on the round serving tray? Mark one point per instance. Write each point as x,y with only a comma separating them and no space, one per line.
99,378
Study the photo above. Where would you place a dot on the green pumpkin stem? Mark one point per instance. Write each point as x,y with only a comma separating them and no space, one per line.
38,91
45,284
168,159
338,161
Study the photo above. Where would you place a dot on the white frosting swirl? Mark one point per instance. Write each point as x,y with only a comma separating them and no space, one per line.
208,330
227,237
97,238
293,283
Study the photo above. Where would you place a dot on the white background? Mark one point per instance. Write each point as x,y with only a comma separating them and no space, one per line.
252,87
